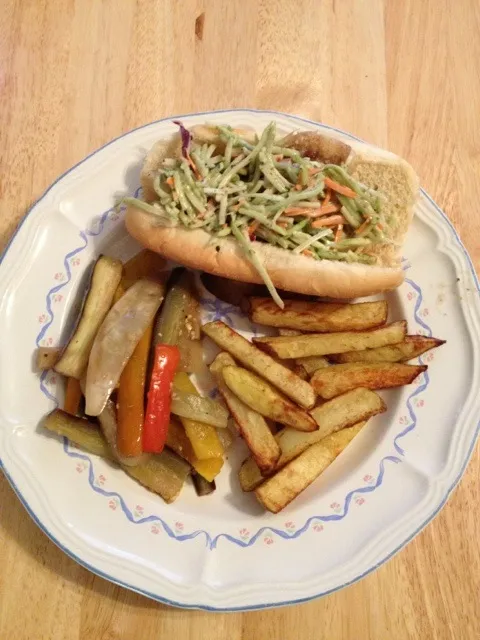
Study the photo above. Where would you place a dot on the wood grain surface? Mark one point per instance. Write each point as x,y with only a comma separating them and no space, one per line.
399,73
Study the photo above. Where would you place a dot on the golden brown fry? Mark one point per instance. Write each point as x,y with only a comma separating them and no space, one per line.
322,344
252,426
411,347
279,490
348,409
292,444
319,316
311,363
47,357
340,378
267,401
252,358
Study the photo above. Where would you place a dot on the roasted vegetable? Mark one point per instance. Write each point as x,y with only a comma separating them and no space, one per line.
267,401
411,347
279,490
346,410
105,280
164,474
157,415
131,398
202,486
145,264
108,424
261,363
47,357
318,316
252,426
194,407
73,396
116,340
203,437
178,441
321,344
178,323
339,378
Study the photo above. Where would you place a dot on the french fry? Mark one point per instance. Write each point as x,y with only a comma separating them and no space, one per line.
411,347
290,384
311,363
263,398
318,316
322,344
292,444
348,409
251,425
279,490
340,378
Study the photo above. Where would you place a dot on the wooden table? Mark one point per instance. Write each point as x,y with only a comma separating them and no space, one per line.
399,73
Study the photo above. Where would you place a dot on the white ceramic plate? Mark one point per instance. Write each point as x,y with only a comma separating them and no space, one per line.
223,552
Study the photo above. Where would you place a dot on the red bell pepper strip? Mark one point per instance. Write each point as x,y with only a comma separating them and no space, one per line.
159,397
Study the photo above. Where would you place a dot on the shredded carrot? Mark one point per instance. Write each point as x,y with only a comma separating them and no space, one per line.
298,187
327,198
313,171
253,227
330,207
339,233
193,167
279,158
340,188
363,226
379,226
307,252
332,221
169,181
281,224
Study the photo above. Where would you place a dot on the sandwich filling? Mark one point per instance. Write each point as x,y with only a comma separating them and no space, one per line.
269,193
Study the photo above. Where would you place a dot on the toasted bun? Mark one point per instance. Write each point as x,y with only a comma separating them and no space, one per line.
292,272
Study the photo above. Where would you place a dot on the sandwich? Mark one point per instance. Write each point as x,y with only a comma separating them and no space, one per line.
305,213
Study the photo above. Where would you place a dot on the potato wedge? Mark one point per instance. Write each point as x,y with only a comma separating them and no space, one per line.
105,280
263,398
293,443
348,409
245,352
312,363
251,425
47,357
411,347
279,490
322,344
340,378
288,332
318,316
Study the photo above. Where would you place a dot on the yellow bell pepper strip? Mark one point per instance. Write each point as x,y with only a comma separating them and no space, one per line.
178,441
203,437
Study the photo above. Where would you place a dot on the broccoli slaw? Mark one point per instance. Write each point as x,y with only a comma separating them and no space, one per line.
269,193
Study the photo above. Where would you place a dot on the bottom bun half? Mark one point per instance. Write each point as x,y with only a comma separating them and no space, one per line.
292,272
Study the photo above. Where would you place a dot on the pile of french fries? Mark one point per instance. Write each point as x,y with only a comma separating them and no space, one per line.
299,398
